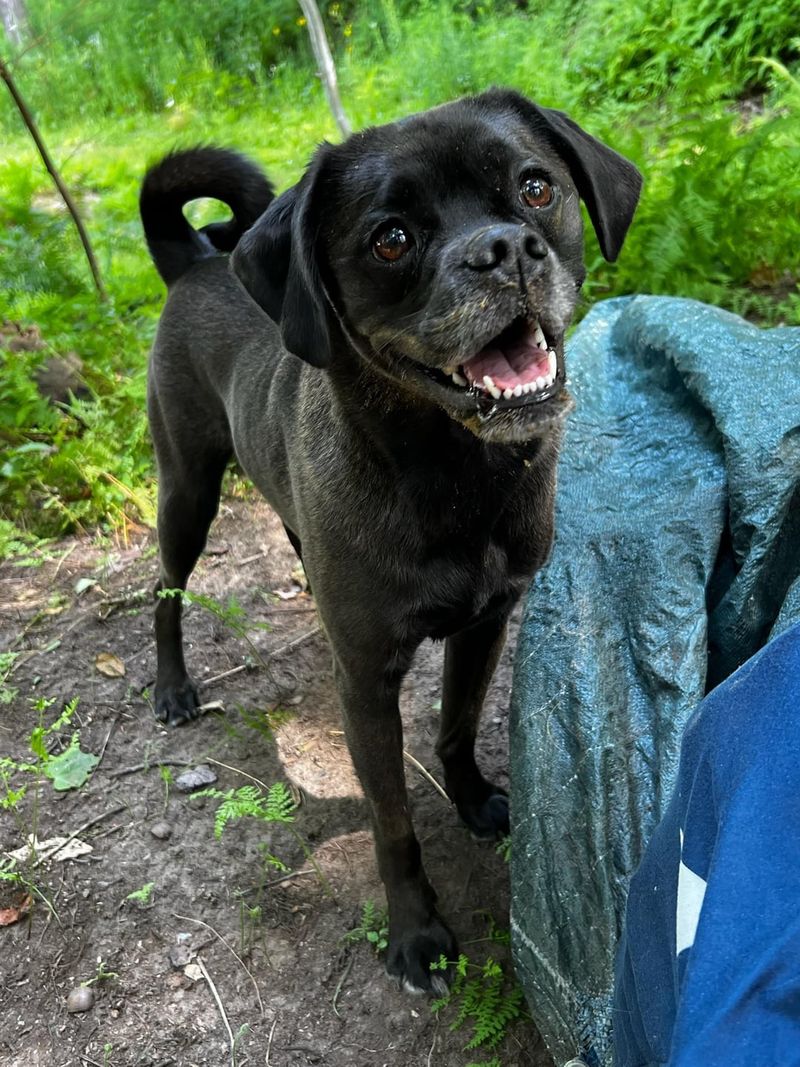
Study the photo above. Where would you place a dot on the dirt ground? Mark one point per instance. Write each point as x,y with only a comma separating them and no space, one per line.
266,960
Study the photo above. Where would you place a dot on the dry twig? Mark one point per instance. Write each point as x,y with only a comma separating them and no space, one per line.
216,997
233,952
340,983
426,774
269,1043
150,765
86,826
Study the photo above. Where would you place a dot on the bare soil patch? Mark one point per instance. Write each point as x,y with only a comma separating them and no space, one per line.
308,997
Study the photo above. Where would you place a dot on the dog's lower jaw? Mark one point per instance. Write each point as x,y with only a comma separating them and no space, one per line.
505,427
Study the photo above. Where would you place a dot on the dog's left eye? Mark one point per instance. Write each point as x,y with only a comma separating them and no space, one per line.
392,243
535,191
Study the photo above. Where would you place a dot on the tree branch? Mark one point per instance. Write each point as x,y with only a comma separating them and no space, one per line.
327,71
52,170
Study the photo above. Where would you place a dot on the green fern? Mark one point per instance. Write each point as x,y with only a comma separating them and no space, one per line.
230,614
503,848
278,805
490,1002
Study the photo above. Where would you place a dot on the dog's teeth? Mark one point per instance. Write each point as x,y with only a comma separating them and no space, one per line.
552,364
487,381
518,390
507,394
538,336
540,383
496,393
458,379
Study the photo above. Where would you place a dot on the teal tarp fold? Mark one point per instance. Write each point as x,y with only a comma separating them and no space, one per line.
677,556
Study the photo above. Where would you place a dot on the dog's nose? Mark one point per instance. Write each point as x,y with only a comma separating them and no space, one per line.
504,245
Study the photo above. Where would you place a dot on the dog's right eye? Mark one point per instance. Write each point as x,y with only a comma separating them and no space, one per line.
392,243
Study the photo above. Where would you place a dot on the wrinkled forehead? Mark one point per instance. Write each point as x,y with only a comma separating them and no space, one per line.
432,157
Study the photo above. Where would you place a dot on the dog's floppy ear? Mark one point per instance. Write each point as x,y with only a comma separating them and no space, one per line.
608,183
275,261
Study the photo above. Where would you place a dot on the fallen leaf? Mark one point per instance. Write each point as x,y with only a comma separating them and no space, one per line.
71,768
9,916
83,584
109,665
191,970
60,847
71,850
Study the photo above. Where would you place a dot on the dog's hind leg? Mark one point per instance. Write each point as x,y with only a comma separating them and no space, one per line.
190,478
469,661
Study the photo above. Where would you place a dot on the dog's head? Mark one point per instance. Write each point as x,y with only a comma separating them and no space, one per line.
446,251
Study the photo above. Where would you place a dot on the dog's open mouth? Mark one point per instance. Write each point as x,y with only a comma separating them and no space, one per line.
517,367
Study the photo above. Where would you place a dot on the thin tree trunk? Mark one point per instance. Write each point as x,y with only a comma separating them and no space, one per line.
33,129
322,54
15,20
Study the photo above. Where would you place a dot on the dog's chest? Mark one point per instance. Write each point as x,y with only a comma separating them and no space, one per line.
475,576
473,537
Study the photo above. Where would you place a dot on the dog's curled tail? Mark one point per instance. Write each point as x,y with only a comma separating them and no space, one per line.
188,175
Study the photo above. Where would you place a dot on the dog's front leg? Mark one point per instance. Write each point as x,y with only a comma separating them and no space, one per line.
469,661
417,935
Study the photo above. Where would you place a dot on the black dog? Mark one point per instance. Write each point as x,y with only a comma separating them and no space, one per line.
431,268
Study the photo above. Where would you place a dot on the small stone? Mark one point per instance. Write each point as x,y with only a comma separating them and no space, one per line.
80,999
196,778
162,830
180,955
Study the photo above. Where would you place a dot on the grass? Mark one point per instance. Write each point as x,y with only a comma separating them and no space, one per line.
702,96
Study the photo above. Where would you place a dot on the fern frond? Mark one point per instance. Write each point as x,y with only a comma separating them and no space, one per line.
278,805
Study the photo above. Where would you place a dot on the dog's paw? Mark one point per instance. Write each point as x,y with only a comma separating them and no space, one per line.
489,819
411,953
177,704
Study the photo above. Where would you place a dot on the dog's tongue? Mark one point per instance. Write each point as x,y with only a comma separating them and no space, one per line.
519,362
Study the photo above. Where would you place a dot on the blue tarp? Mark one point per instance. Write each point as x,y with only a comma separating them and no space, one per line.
677,556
